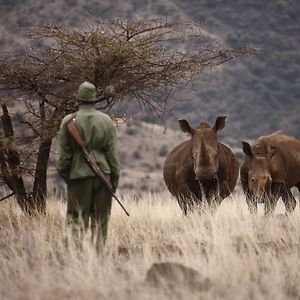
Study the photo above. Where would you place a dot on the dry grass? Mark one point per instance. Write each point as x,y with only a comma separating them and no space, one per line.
245,257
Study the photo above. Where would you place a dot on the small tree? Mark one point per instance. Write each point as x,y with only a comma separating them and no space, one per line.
135,61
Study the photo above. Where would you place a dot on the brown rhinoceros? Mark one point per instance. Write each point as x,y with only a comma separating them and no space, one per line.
201,168
270,169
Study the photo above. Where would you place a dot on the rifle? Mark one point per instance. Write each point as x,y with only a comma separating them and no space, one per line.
74,133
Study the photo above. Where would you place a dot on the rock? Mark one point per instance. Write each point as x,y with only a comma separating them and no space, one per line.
175,275
282,217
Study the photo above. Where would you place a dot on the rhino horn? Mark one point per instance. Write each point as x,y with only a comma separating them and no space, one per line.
204,157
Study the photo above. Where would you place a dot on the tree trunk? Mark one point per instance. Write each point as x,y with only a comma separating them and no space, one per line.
40,178
10,162
35,201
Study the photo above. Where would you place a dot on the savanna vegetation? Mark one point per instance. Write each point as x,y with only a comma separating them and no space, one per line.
236,255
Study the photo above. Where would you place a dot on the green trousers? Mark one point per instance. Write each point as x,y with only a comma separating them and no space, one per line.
89,205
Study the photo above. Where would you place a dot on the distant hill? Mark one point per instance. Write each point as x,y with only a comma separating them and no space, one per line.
262,94
259,94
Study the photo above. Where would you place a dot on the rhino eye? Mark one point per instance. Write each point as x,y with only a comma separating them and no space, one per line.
193,155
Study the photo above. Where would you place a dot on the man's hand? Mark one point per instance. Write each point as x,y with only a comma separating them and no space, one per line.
114,187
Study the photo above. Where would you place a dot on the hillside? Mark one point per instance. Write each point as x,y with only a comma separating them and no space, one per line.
260,94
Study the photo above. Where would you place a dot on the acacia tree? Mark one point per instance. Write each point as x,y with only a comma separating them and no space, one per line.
138,61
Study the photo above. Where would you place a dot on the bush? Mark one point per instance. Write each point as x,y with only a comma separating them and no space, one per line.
147,118
71,2
136,154
23,22
131,131
163,151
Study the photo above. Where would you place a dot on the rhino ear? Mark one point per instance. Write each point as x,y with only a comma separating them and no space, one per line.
219,123
185,126
247,149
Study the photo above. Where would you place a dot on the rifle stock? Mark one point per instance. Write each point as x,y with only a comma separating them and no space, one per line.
74,133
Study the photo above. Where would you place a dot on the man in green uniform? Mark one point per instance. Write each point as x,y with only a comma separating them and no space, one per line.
88,199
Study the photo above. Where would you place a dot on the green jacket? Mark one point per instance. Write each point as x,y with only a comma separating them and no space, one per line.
99,134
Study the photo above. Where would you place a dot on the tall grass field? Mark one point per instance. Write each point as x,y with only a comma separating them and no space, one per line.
238,255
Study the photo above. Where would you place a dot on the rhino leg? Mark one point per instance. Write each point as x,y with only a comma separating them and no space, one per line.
224,190
186,199
215,204
251,201
182,201
211,202
270,204
288,200
272,199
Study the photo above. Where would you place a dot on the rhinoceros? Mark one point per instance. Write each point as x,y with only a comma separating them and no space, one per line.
271,167
201,169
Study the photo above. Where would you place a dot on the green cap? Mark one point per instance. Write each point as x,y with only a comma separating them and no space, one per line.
86,92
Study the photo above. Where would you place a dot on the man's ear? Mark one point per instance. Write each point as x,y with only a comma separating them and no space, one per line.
185,126
247,149
219,123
